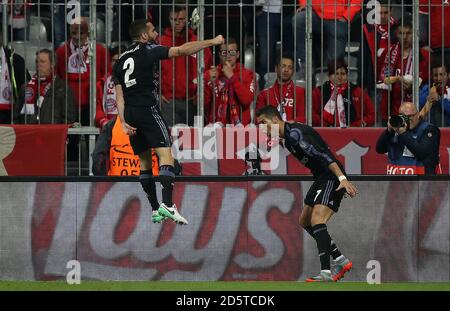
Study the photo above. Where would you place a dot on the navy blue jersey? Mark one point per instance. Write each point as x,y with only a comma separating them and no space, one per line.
137,70
309,148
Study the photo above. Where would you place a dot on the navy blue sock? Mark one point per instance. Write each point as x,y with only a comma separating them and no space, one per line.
323,241
334,250
167,180
148,184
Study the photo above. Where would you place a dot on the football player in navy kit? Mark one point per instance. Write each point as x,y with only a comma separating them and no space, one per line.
136,75
324,196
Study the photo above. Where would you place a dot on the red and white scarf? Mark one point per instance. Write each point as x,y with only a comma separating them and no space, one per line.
336,104
227,110
109,97
383,30
5,82
390,61
35,92
78,60
288,95
17,18
443,90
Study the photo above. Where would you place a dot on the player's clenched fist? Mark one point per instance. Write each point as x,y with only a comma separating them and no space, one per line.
218,40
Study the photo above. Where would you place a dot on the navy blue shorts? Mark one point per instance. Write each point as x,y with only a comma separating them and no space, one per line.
152,131
323,192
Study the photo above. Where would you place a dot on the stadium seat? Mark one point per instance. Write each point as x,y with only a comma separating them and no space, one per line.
301,83
353,75
38,31
269,78
321,76
28,49
249,58
101,30
352,47
351,61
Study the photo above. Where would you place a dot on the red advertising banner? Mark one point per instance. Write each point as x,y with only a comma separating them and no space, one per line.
32,150
354,147
39,150
237,231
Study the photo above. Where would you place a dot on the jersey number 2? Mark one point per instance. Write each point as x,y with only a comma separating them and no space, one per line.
129,66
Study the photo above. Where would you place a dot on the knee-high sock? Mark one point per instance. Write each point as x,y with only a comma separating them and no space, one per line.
148,184
323,241
167,180
334,250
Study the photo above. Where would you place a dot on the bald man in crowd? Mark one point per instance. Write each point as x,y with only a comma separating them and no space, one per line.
411,143
73,65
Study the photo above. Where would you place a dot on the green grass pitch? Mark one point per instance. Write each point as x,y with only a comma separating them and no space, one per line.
218,286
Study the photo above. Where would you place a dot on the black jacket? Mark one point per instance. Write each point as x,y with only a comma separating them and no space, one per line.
53,109
425,149
21,74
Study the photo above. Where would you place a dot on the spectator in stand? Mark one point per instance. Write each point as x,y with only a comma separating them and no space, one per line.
340,103
125,11
273,20
412,145
45,99
73,65
437,93
229,88
66,14
19,20
435,13
113,155
288,98
13,75
179,74
106,94
330,18
398,70
377,39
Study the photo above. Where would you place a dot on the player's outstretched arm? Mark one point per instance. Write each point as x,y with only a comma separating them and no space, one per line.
193,47
127,129
344,183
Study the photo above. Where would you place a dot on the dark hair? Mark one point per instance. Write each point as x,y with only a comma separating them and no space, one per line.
269,111
50,54
335,64
116,50
405,22
138,27
284,56
386,3
437,62
178,8
231,40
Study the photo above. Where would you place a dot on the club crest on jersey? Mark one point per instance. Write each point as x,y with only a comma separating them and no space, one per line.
29,93
303,145
151,45
304,160
7,93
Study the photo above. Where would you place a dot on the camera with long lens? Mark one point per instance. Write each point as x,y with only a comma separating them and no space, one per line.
253,161
397,121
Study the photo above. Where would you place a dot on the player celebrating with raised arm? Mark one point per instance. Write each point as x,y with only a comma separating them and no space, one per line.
136,75
324,196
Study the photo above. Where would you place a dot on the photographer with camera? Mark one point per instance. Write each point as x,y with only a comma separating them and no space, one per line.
411,143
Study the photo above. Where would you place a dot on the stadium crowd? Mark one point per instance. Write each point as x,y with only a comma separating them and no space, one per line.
351,88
